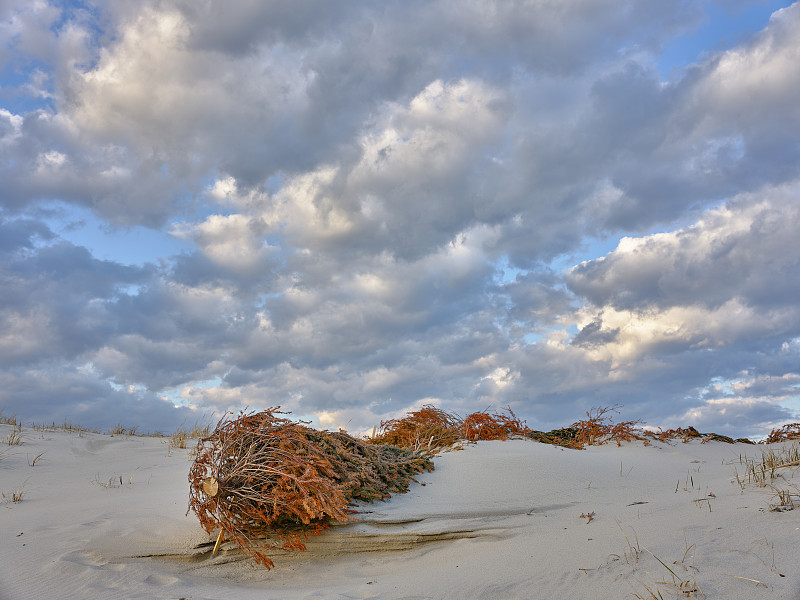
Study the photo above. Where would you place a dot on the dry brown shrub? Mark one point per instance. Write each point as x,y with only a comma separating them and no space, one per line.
428,427
598,428
261,476
790,431
566,437
670,434
493,426
690,433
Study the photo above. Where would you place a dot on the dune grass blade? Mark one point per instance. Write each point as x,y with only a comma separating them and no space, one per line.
747,579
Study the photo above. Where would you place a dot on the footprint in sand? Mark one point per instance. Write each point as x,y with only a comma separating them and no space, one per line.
85,558
161,580
93,560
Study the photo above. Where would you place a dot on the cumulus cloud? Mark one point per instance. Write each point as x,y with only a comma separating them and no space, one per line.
741,251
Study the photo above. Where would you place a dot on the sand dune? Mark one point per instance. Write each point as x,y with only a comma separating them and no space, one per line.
103,517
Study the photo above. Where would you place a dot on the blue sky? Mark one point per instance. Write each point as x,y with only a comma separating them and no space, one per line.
721,27
352,209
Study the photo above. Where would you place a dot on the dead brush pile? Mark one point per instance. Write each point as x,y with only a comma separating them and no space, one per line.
433,428
268,482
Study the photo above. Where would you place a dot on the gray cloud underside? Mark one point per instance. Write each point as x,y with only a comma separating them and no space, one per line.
362,168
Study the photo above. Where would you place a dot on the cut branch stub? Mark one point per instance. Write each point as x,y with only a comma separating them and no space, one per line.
210,487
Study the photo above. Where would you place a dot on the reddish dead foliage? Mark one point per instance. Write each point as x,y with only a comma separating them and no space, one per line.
598,428
670,434
433,428
787,432
428,427
495,426
690,433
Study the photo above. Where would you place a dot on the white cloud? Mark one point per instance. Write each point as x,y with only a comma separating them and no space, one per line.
10,127
234,242
743,250
758,79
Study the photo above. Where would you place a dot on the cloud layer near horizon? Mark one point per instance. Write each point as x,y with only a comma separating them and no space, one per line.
391,204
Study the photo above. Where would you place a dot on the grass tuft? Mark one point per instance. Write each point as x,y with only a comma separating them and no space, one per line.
113,482
180,438
118,429
766,471
15,496
687,587
12,420
15,437
32,461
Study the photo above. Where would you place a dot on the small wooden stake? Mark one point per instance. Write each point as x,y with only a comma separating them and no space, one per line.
219,541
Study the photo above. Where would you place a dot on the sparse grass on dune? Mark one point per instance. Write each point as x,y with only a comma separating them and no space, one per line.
65,426
762,471
119,429
113,481
12,420
768,472
183,435
686,585
178,439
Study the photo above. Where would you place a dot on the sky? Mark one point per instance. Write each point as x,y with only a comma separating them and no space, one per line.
354,208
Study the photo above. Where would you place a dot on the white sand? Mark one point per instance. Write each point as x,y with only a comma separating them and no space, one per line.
496,520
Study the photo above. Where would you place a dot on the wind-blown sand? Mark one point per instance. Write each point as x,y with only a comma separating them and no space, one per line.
495,520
